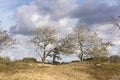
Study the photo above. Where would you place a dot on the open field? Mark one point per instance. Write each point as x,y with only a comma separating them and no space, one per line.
87,70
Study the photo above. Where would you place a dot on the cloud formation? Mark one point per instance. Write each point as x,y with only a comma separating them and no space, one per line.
62,13
41,13
92,12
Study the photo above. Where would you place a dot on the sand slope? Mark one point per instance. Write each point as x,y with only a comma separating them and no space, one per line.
38,71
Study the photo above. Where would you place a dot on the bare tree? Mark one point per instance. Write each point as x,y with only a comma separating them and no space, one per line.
88,42
64,45
6,40
101,49
81,34
43,39
116,21
67,44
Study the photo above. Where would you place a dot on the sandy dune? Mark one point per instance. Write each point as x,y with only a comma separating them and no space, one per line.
49,72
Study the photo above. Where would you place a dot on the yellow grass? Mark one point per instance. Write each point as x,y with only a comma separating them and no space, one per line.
72,71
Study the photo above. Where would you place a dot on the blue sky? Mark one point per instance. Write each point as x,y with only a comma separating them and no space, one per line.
7,10
21,17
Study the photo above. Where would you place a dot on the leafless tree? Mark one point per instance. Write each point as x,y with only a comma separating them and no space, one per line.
116,21
65,44
43,39
101,49
87,42
81,34
6,40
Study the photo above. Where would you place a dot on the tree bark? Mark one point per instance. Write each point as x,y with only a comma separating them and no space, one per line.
43,58
54,58
81,57
81,49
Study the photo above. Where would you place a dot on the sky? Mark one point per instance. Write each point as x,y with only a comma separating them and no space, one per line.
22,17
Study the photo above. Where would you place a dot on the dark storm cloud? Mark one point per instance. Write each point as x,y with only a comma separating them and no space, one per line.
56,8
96,13
25,31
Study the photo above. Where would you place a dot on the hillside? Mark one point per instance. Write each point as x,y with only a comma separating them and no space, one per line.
72,71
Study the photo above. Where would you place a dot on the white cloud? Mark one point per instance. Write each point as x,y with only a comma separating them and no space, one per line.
43,13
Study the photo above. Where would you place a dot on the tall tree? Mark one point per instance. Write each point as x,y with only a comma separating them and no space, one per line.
43,39
88,42
81,34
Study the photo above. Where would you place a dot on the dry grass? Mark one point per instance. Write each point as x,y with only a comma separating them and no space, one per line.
106,71
72,71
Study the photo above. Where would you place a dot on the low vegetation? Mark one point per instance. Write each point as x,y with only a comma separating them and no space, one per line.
29,69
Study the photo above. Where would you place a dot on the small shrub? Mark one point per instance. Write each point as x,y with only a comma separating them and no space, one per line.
4,59
101,59
28,60
75,61
89,59
56,63
114,58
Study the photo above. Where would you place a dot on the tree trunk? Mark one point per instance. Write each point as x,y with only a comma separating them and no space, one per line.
81,57
44,54
81,49
54,58
43,60
44,57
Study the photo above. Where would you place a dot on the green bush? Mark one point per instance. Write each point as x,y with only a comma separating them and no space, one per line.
28,60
